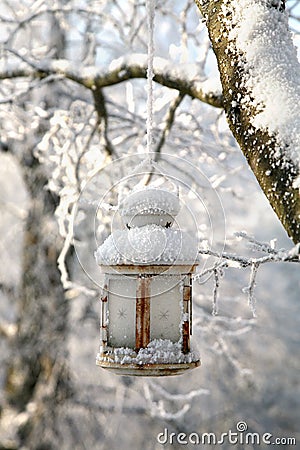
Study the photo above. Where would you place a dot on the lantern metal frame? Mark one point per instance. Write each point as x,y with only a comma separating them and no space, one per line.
144,275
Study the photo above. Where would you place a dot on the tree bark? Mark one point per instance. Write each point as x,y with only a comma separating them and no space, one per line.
276,176
38,373
38,379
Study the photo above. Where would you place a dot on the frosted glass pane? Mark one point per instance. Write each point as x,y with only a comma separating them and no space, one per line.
121,307
165,311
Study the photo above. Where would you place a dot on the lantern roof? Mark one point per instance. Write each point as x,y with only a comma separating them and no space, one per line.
150,200
149,244
148,210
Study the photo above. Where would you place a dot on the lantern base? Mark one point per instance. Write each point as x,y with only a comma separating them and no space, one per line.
148,370
161,357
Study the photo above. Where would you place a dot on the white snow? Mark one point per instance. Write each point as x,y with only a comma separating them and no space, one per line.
158,351
164,68
148,244
148,212
150,201
272,70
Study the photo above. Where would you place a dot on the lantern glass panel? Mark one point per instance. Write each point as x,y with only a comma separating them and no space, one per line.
121,307
165,308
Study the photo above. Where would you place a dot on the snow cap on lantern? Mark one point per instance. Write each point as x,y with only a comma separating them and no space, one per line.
146,300
148,213
149,205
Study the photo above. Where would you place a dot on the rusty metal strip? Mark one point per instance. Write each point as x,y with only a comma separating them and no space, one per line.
191,304
186,323
103,327
185,337
142,329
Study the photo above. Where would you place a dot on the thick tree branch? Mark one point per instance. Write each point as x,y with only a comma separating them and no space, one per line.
269,156
182,78
100,106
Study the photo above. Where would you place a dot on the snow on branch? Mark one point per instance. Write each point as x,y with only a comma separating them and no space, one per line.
292,255
183,77
272,71
226,260
260,76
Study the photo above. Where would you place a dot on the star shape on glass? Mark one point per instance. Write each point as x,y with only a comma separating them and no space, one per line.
163,315
122,313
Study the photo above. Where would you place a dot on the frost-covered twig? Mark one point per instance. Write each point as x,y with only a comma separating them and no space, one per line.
217,329
250,289
229,325
292,255
244,372
37,84
209,270
157,408
226,260
177,397
257,245
215,292
61,261
83,152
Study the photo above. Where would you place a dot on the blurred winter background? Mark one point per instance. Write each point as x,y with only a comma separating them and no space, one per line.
250,367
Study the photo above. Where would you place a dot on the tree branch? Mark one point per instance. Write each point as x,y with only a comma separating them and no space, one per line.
100,106
182,78
170,117
226,260
272,157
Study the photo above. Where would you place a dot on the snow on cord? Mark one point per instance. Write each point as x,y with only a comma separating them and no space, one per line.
148,244
158,351
272,70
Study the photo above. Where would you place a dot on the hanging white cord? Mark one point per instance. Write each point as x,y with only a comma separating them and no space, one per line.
150,5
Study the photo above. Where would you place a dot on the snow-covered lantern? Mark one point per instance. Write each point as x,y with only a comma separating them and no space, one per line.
146,303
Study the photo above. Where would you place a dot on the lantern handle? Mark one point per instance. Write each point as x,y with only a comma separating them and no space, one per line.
145,173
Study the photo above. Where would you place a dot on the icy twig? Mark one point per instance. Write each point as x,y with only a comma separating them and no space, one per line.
292,255
61,260
157,409
219,328
265,247
250,289
177,397
217,274
209,270
244,372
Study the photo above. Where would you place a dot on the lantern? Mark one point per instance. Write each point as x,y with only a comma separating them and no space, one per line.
146,302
